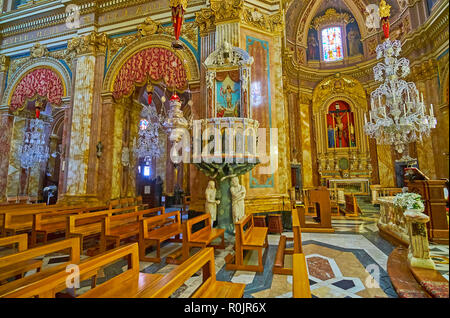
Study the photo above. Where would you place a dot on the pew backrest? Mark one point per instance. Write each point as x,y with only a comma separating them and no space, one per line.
21,241
204,259
147,223
206,218
49,286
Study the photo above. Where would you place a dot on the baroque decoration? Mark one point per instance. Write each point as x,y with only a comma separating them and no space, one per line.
41,82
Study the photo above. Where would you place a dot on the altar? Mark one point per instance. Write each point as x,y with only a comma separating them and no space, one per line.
358,186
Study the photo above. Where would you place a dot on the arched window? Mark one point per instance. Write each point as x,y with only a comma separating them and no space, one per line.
332,49
340,126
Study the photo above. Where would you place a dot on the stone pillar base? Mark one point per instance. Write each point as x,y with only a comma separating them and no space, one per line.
420,262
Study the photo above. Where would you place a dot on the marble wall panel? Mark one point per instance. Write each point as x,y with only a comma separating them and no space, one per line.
305,128
6,124
13,187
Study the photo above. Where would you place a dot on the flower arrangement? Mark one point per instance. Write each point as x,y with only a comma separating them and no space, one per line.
409,201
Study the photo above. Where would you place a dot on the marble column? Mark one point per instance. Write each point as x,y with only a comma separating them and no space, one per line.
6,124
16,183
82,164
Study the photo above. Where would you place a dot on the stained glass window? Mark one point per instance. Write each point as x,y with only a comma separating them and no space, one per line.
332,44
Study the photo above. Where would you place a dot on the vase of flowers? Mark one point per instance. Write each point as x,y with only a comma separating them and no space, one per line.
409,201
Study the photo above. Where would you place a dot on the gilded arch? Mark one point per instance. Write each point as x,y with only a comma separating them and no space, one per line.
157,40
34,64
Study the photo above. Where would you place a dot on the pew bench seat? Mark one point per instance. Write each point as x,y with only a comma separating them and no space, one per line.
220,289
127,289
19,268
256,238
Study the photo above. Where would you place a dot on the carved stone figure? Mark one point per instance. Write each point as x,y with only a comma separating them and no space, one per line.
238,193
211,202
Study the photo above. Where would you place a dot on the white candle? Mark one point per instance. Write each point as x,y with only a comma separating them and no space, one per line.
421,94
365,119
431,110
370,116
409,99
379,100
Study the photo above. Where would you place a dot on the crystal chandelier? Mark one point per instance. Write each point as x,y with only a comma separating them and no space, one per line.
398,115
148,145
34,148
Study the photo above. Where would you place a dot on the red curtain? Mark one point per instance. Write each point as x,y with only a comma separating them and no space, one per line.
154,63
39,82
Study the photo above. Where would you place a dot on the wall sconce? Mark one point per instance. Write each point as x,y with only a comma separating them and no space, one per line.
99,149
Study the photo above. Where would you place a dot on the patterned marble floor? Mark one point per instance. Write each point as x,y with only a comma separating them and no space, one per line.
350,263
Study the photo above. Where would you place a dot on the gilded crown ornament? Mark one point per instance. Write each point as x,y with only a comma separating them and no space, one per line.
385,12
331,16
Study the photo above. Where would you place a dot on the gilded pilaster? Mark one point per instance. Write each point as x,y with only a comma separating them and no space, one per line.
305,132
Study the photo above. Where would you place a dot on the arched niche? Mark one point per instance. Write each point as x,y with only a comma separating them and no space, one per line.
46,79
350,95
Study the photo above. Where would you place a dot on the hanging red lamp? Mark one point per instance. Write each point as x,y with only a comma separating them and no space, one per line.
385,10
149,90
178,9
38,107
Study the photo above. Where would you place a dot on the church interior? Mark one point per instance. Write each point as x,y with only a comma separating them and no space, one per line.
224,149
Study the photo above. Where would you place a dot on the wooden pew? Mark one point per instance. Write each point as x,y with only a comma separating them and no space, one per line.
48,223
247,237
278,266
18,269
7,263
149,235
128,284
300,279
22,220
15,206
88,224
210,287
123,226
351,206
201,238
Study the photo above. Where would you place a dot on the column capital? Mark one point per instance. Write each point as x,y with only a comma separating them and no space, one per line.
4,63
90,44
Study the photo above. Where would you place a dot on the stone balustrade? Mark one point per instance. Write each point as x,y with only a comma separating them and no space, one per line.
407,227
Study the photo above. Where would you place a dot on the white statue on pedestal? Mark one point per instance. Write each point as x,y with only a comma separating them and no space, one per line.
211,202
238,193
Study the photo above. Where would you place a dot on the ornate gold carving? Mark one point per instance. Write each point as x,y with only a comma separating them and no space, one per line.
270,23
4,63
205,21
38,50
149,27
331,16
91,43
225,10
176,3
385,9
339,85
